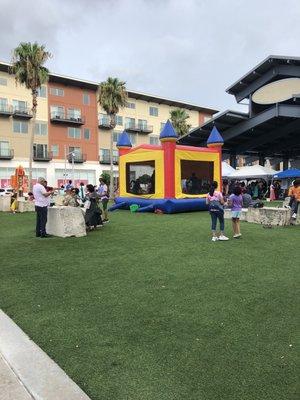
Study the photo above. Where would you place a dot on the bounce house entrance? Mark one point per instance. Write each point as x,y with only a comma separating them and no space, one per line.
196,176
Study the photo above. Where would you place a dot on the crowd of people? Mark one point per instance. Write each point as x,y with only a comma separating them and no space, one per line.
236,196
94,202
92,199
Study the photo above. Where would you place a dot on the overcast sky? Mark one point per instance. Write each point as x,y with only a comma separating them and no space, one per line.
189,50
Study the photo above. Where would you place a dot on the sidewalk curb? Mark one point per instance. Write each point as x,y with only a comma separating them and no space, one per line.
40,375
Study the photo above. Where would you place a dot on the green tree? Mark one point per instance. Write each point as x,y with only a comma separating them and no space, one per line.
179,119
28,67
112,97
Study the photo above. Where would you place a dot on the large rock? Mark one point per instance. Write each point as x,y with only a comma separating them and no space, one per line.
65,222
25,206
4,203
273,216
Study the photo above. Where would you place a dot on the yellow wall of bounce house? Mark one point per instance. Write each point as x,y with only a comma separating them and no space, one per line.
140,155
195,156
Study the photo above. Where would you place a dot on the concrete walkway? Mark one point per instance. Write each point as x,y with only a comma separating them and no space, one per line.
11,388
27,373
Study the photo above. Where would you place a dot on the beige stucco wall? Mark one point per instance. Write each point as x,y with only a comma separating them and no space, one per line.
19,92
19,142
141,111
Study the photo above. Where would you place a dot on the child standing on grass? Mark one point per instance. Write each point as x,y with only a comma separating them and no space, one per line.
215,202
236,204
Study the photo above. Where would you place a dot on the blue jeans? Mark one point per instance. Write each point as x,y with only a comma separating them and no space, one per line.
215,216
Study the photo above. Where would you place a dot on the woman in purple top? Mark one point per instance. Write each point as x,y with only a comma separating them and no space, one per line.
236,203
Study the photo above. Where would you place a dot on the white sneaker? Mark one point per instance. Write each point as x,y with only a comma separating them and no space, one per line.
287,206
236,236
223,237
294,216
214,238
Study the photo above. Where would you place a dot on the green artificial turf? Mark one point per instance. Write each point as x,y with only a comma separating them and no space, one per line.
150,309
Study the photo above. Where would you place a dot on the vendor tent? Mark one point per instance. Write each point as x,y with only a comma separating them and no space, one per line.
254,172
226,169
288,173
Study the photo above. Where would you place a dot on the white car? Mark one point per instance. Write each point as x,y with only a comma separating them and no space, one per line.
6,191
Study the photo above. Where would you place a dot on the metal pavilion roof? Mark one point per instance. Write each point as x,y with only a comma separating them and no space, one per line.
271,68
272,130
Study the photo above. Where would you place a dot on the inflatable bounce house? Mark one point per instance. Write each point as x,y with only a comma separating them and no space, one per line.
167,177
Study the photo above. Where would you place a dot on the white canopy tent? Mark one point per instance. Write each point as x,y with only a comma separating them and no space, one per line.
226,169
254,172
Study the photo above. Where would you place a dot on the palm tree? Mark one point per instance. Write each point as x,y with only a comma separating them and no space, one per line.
112,97
179,121
27,66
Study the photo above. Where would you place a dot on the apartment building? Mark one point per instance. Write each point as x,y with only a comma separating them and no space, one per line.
72,135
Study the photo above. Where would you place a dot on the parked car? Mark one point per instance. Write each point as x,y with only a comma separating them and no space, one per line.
6,191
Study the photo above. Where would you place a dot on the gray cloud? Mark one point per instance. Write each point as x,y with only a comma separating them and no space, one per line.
190,50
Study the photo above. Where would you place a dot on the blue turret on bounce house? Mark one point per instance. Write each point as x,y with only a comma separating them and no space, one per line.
168,177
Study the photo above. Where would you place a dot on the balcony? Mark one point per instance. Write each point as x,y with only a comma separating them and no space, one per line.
65,118
104,123
5,110
22,113
6,154
106,159
78,158
42,156
146,128
140,128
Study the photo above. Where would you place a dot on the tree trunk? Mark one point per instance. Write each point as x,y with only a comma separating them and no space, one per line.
113,125
31,142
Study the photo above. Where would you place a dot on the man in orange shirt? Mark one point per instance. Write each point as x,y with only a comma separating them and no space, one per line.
294,193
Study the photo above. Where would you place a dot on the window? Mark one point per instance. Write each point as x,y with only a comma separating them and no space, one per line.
207,118
3,104
74,133
142,123
196,176
132,137
129,122
130,105
3,81
162,125
115,155
140,177
87,133
55,150
105,156
4,148
119,120
57,112
57,92
116,136
42,91
74,114
19,105
86,99
41,128
154,140
40,150
75,150
20,126
153,111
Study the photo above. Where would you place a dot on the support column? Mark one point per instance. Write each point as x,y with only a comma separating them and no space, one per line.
232,160
285,163
262,160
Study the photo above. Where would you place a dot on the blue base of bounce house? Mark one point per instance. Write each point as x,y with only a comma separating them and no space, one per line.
168,206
